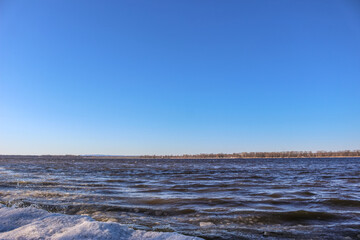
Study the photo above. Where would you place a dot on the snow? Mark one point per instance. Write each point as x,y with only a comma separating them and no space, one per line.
32,223
206,224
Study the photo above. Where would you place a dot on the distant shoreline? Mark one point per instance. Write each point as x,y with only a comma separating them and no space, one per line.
184,158
352,154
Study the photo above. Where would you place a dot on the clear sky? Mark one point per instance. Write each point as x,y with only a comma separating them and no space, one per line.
177,77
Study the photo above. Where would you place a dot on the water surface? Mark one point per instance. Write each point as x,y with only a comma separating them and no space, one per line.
213,199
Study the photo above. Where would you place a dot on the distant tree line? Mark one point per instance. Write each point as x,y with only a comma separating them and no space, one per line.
287,154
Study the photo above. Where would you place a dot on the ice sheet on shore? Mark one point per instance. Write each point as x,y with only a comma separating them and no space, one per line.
33,223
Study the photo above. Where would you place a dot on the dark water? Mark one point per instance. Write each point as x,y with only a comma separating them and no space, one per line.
213,199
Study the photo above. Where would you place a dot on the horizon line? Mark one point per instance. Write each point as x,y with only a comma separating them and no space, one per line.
185,154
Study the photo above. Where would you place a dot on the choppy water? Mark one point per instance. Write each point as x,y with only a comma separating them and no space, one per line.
213,199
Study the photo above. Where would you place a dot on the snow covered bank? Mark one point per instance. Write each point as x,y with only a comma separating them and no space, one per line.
32,223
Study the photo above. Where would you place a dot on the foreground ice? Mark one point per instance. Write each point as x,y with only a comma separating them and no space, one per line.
32,223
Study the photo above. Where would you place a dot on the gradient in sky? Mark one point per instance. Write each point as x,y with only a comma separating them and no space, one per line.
176,77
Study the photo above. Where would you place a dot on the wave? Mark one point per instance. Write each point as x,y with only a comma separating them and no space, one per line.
91,208
188,201
342,202
292,217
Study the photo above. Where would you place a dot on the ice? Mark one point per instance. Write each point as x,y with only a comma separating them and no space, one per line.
206,224
32,223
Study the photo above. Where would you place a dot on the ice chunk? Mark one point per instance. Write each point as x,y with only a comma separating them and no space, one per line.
32,223
206,224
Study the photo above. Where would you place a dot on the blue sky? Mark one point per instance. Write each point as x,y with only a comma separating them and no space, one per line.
178,77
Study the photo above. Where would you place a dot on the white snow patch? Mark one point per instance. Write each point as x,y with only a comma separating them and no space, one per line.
206,224
31,223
